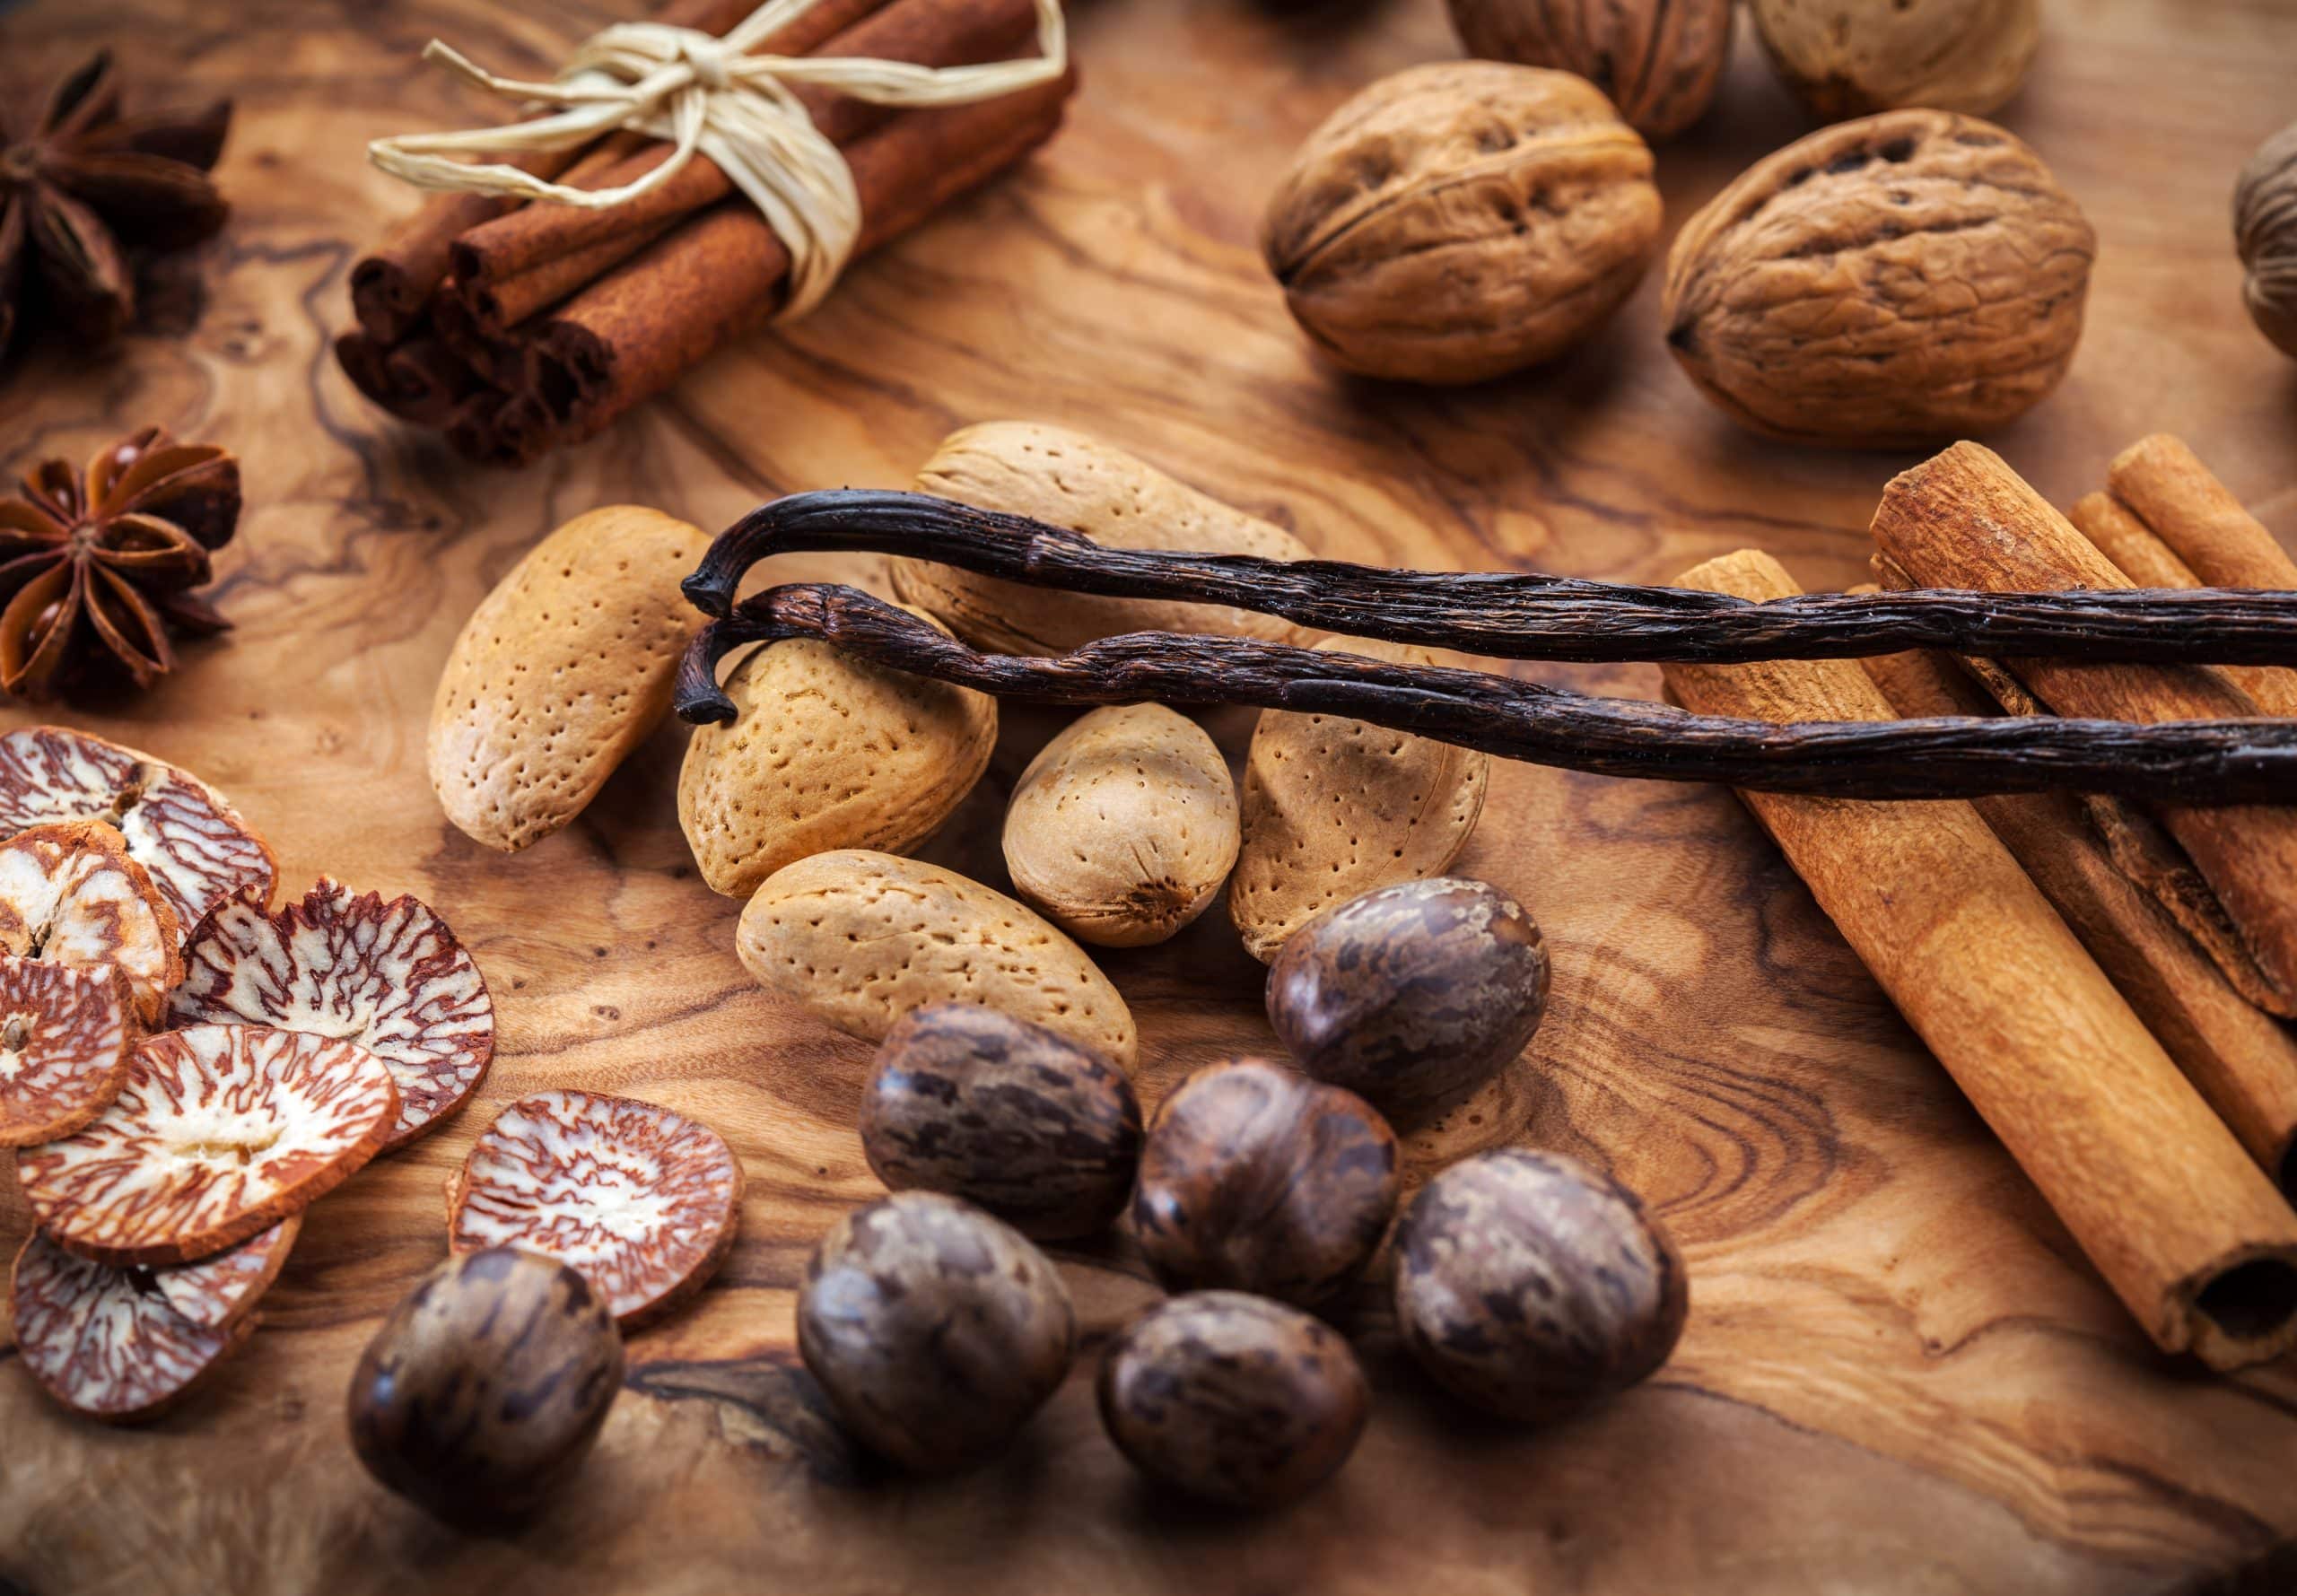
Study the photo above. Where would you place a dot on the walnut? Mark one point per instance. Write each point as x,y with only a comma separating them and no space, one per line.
1850,57
1458,221
1659,60
1884,282
2265,230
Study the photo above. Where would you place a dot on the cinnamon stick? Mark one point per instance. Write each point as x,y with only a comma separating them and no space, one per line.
724,274
420,380
2125,538
927,32
2243,1063
391,288
2191,511
1964,518
2154,1189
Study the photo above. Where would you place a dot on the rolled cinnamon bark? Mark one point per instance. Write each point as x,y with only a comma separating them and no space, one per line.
724,274
2125,538
1964,519
2154,1189
391,289
2243,1063
420,380
2191,511
927,32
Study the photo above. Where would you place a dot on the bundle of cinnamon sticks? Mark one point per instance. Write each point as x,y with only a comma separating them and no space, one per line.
516,328
2108,983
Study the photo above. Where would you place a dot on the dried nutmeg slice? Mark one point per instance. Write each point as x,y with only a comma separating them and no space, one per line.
198,851
386,975
69,895
218,1133
122,1345
638,1199
65,1036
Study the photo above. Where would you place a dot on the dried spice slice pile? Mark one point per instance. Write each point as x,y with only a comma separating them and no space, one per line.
198,851
64,1038
122,1345
69,895
639,1200
218,1132
387,976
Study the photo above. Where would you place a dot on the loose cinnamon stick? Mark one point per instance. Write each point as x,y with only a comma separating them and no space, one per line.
2146,560
2190,511
1964,518
927,32
391,289
2243,1063
2155,1190
723,274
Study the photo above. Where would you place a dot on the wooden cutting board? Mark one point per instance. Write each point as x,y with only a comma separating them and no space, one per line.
1900,1375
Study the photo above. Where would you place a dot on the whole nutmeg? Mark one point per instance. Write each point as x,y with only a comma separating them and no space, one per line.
1256,1178
2264,231
1233,1398
1658,60
1411,995
1850,57
485,1388
1033,1128
1462,220
1529,1286
935,1330
1886,283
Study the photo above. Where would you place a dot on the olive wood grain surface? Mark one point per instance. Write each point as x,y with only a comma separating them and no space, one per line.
1898,1374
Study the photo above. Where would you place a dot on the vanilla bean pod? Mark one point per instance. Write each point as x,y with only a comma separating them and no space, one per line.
1517,615
2220,761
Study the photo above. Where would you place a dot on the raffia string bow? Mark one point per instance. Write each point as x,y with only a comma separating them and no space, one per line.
710,96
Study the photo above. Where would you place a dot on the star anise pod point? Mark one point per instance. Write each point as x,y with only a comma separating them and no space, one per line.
101,562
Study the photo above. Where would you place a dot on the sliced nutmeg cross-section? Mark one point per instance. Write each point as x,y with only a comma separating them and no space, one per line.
198,851
640,1200
386,975
122,1345
64,1038
218,1133
70,896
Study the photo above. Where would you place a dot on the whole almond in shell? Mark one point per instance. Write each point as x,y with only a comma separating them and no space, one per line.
1462,220
1067,479
1122,829
859,940
1885,283
826,751
561,671
1334,807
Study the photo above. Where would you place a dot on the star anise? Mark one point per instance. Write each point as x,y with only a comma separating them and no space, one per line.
104,565
83,185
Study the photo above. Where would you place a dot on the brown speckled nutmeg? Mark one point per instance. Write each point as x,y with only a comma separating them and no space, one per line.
1233,1399
1899,280
487,1387
935,1329
972,1103
1529,1286
1256,1178
1462,220
1411,995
